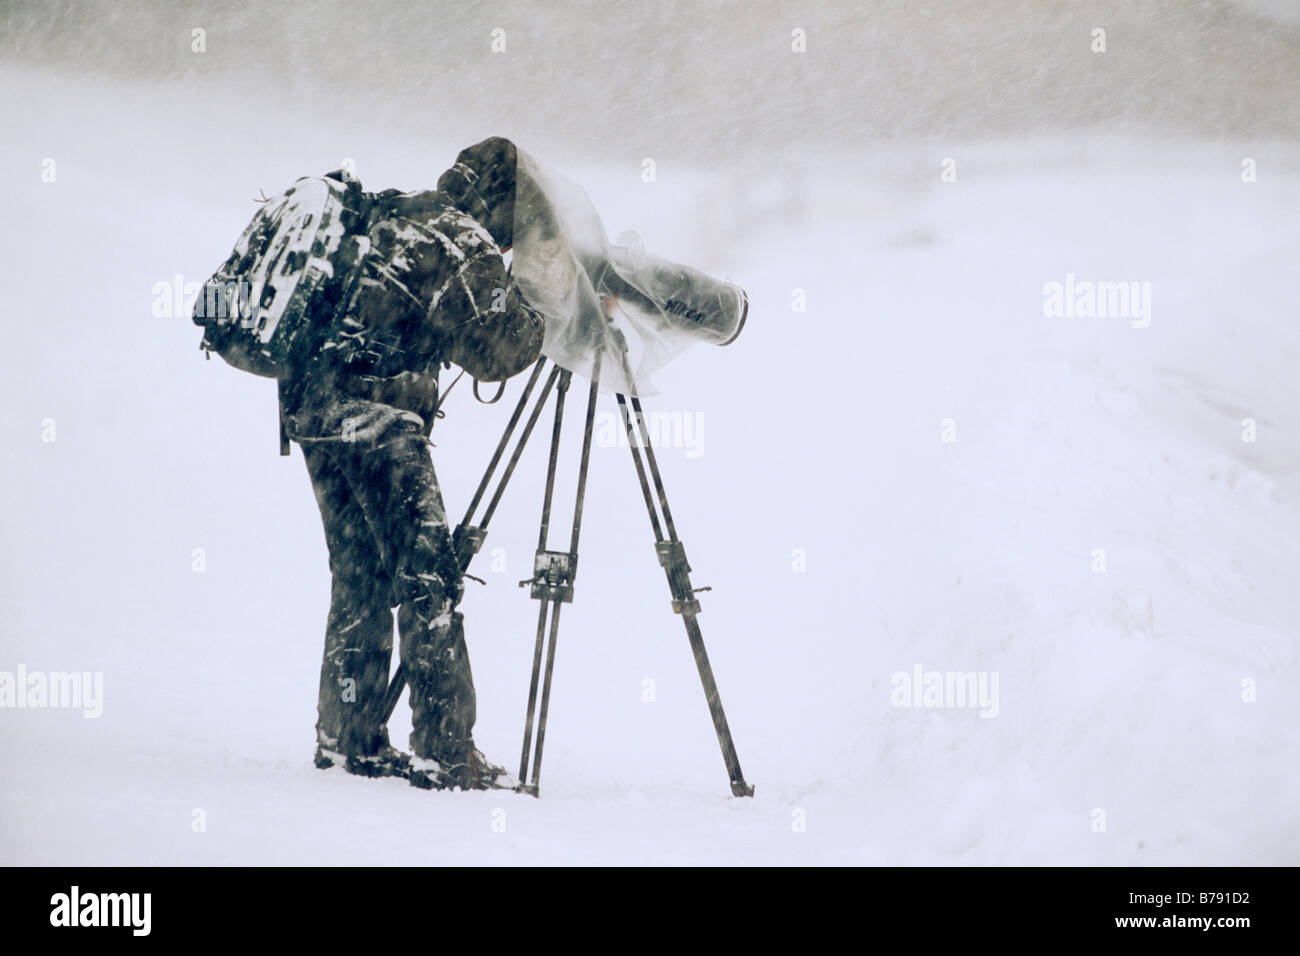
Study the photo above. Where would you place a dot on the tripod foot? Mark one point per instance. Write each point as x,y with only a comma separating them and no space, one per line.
741,789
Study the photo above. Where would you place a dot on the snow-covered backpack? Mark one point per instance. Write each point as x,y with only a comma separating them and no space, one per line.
286,275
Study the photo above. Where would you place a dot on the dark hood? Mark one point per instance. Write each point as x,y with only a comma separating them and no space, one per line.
482,184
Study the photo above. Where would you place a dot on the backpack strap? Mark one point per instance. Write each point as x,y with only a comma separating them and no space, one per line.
284,433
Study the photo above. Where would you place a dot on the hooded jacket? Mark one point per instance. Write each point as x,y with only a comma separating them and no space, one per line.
433,288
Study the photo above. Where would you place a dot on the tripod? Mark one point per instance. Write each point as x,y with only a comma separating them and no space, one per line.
554,571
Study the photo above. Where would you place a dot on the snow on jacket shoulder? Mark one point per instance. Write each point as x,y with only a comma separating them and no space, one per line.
433,288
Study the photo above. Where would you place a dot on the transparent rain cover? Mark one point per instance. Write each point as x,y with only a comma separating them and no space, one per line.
636,312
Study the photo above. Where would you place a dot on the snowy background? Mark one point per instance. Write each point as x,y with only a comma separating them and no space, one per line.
844,538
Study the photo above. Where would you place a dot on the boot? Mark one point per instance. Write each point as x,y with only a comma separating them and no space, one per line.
387,761
473,771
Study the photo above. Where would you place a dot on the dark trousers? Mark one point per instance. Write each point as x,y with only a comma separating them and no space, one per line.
389,545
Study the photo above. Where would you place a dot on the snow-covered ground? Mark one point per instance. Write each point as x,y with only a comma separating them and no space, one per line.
1145,714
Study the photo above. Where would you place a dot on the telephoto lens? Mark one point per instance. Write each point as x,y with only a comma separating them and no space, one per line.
689,301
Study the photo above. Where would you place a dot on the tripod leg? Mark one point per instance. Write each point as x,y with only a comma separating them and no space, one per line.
739,787
581,496
654,467
532,693
633,441
552,583
535,784
544,531
505,440
548,572
555,604
672,557
523,440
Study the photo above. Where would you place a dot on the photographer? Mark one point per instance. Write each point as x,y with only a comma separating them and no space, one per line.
433,289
